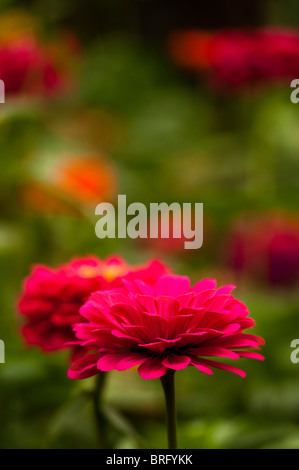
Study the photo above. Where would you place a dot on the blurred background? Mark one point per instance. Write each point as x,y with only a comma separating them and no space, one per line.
161,101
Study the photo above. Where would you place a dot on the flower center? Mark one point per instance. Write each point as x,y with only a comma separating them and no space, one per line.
89,271
112,271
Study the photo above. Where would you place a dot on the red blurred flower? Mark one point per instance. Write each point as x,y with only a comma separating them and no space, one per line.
51,298
191,48
265,248
29,65
165,326
233,59
25,67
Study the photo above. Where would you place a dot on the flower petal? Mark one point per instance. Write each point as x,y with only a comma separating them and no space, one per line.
172,285
152,369
84,367
220,365
201,366
176,361
225,289
215,351
203,285
131,360
110,361
251,355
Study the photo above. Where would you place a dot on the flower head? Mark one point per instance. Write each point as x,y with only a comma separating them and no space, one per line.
51,298
165,326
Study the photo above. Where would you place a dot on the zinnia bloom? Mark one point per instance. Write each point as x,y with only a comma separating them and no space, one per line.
265,247
165,326
51,298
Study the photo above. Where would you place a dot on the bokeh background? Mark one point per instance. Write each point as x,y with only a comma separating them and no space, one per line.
100,101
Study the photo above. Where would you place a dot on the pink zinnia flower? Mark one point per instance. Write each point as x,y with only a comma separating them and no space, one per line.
51,298
166,326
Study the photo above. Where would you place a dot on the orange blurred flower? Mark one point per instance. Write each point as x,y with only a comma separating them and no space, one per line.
87,180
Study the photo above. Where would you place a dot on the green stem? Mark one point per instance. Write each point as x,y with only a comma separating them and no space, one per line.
98,409
169,391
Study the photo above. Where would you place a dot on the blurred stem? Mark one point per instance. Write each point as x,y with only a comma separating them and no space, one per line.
169,391
101,422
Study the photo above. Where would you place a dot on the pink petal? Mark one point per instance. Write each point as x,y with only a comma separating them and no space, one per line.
200,366
204,284
167,307
178,324
172,285
131,360
176,362
231,328
125,312
214,351
238,341
159,346
218,302
146,303
140,332
251,355
143,288
110,361
152,369
200,299
84,367
157,325
220,365
225,289
150,272
98,313
130,286
192,339
185,300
